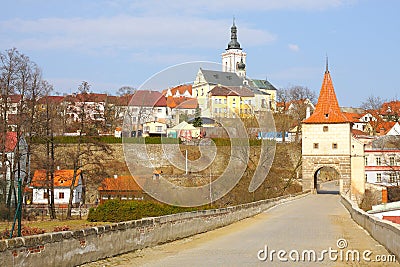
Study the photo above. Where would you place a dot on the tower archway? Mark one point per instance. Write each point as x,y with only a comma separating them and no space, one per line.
327,180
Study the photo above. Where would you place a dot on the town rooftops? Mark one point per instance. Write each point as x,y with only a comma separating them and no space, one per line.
121,183
223,78
231,91
62,178
51,99
263,84
327,109
148,98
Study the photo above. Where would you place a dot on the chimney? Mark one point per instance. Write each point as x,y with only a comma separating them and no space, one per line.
384,196
115,176
308,112
58,168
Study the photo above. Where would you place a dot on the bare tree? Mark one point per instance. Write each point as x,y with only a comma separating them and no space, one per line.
294,102
88,150
372,103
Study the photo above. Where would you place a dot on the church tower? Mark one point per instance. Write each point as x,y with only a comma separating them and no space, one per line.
327,140
234,59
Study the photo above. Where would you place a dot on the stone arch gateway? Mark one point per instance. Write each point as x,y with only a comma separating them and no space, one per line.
327,142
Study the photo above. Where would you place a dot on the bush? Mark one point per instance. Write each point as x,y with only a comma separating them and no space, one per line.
118,211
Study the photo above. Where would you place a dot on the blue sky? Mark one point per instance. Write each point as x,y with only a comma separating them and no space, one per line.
115,43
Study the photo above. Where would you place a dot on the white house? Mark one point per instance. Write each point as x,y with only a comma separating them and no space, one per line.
382,166
62,183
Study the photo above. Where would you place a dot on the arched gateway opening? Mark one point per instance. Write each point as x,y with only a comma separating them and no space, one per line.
327,181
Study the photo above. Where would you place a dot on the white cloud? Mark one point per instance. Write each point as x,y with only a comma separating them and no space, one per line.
294,47
126,32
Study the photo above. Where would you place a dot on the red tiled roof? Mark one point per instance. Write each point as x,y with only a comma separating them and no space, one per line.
11,141
147,98
352,117
182,103
385,126
15,98
327,109
121,183
231,91
62,178
394,219
357,132
120,100
180,88
51,99
391,107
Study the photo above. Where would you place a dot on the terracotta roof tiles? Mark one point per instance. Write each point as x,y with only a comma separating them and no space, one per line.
327,109
62,178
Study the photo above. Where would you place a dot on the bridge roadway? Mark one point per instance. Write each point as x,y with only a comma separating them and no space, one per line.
314,222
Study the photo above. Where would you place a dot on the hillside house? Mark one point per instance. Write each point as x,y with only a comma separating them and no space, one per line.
120,187
62,182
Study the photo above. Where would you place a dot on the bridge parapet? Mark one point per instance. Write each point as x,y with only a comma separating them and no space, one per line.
385,232
71,248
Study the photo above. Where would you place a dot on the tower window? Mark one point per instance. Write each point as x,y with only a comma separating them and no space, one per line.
378,161
326,115
334,145
316,145
325,128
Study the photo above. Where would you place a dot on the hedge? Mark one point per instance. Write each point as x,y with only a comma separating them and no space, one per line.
117,211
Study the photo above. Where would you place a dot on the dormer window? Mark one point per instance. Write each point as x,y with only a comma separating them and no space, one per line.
326,115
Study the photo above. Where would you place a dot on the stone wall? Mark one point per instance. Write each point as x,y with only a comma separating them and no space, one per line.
311,164
385,232
72,248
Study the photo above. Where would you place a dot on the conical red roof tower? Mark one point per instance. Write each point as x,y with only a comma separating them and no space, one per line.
327,109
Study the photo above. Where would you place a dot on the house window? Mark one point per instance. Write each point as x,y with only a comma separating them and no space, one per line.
334,146
215,110
391,161
378,161
366,177
159,110
216,101
224,100
379,177
61,195
366,161
159,129
392,177
249,101
316,145
45,195
325,128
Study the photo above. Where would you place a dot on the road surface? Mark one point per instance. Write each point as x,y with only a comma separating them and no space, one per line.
314,222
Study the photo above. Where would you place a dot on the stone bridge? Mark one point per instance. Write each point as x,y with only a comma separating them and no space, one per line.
304,230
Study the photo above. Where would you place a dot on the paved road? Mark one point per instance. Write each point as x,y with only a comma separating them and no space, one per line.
314,222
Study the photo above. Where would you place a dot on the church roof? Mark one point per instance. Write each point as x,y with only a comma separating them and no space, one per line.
221,77
263,84
327,109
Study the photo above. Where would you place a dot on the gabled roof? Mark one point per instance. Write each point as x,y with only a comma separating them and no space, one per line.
121,183
263,84
180,89
392,107
51,99
119,100
384,126
224,78
327,109
62,178
147,98
352,117
187,103
184,126
11,141
231,91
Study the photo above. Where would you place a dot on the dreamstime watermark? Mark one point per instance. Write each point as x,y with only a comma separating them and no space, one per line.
338,254
146,110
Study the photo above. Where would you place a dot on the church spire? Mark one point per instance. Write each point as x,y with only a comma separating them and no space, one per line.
327,109
233,44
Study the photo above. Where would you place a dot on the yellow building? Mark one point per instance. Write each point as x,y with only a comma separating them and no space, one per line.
229,102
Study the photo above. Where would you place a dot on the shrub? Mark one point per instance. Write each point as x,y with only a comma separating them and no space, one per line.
118,211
